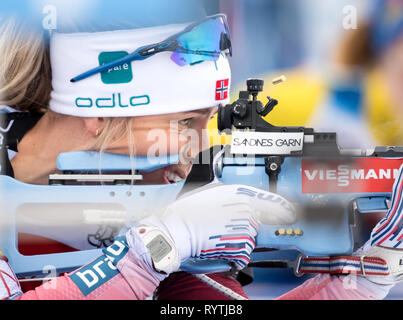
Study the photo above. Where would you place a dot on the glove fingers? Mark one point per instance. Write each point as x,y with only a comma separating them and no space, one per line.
237,243
272,209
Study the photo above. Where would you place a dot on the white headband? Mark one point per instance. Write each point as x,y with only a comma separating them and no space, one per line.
152,86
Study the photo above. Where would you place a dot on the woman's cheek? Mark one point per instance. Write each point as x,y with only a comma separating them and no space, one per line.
159,142
193,143
154,143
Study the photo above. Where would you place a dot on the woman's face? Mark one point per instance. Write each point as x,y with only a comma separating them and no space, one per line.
182,133
392,69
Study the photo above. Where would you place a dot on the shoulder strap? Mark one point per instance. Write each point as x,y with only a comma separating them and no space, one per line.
13,127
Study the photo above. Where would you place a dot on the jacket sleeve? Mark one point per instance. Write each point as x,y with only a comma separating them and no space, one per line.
121,273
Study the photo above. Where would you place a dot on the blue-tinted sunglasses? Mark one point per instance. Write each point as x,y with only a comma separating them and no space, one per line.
200,41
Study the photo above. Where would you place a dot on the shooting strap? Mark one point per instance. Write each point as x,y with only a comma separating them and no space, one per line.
13,127
359,265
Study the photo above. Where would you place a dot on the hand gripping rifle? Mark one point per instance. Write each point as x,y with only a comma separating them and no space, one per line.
333,188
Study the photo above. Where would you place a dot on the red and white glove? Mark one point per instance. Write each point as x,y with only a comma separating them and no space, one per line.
221,221
9,285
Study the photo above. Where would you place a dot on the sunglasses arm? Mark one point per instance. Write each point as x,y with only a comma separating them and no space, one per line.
126,59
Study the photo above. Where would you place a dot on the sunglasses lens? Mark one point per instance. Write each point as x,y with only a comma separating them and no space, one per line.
204,42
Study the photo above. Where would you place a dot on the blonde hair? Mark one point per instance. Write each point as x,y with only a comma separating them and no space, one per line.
26,79
25,72
114,130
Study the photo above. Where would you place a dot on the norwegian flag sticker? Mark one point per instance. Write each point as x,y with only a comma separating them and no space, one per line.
221,89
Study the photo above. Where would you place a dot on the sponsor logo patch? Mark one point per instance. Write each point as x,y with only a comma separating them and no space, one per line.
118,74
273,143
361,175
101,270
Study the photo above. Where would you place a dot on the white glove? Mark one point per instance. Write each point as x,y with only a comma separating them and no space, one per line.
386,241
221,221
9,285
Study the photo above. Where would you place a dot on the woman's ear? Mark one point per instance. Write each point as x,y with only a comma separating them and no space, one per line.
94,125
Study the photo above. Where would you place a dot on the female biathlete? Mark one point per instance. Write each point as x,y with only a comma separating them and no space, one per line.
173,81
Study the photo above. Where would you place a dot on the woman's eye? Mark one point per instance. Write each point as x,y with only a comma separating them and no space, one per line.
185,122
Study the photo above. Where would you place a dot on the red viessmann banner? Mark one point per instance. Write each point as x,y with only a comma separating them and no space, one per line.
358,175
